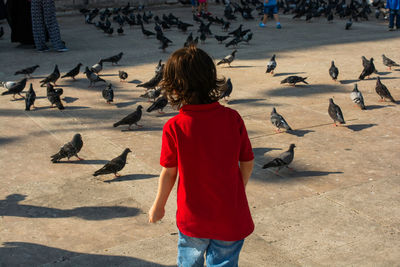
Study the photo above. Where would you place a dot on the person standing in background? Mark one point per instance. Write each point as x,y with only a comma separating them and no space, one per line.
44,18
394,13
270,6
19,19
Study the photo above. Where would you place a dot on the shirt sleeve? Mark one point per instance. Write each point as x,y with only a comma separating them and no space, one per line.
169,157
246,151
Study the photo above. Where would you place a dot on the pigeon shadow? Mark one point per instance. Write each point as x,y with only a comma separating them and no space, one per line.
298,174
304,90
168,114
372,107
135,81
384,73
131,177
260,151
31,254
287,73
241,66
75,107
89,162
244,101
6,140
125,104
299,132
360,127
17,99
142,129
106,75
11,207
348,81
383,78
68,99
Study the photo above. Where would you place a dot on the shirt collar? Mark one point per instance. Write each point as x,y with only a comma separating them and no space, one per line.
201,107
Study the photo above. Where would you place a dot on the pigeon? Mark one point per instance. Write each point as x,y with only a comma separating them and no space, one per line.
357,97
159,105
365,61
120,31
16,89
52,78
8,85
159,67
115,165
69,150
96,68
234,42
108,93
122,75
221,38
226,89
27,71
382,91
53,95
30,98
348,24
228,59
72,73
146,32
369,68
292,80
247,37
335,112
278,121
113,59
92,77
153,82
271,65
152,94
389,63
333,71
283,160
164,45
132,118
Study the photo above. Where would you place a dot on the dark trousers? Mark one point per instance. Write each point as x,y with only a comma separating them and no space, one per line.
394,14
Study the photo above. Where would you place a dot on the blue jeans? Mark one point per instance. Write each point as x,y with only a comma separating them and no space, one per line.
218,253
272,9
392,15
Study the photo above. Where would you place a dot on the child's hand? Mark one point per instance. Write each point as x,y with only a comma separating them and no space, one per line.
156,214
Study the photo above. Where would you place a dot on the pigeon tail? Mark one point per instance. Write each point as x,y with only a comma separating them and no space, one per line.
56,157
59,105
117,124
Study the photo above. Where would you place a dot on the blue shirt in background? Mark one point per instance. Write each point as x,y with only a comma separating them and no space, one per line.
273,3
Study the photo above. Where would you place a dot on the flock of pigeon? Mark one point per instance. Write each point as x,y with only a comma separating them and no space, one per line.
126,15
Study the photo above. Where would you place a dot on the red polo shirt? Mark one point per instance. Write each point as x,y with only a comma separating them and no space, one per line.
206,143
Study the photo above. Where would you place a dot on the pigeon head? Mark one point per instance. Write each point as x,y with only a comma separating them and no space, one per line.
56,68
77,137
355,88
120,54
139,107
80,64
333,63
86,70
273,57
126,151
30,88
372,60
24,80
292,146
330,100
273,110
36,66
378,79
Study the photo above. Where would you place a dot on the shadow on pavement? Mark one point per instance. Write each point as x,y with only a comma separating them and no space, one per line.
11,207
360,127
83,162
299,132
244,101
131,177
305,90
31,254
286,74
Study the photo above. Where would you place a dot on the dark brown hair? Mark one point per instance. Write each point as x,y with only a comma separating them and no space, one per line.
190,77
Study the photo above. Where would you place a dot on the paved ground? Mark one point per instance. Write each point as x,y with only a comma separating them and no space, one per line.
339,207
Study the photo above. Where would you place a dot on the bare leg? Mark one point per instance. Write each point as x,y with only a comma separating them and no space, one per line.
265,18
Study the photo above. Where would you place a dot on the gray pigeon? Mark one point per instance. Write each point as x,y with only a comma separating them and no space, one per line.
92,77
108,93
335,112
159,67
30,98
389,63
152,94
333,71
132,118
153,82
52,78
53,95
27,71
278,121
159,105
357,97
8,85
382,91
122,75
115,165
369,68
292,80
72,73
228,59
16,89
69,150
113,59
283,160
226,89
271,65
97,68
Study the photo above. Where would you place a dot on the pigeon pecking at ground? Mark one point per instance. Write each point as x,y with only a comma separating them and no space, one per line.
357,97
292,80
52,78
69,150
30,98
74,72
335,112
132,118
228,59
389,63
108,93
271,65
283,160
278,121
113,59
53,95
16,88
382,91
92,77
333,71
122,75
159,105
27,71
115,165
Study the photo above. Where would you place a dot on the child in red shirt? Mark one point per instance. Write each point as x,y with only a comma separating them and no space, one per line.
208,145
